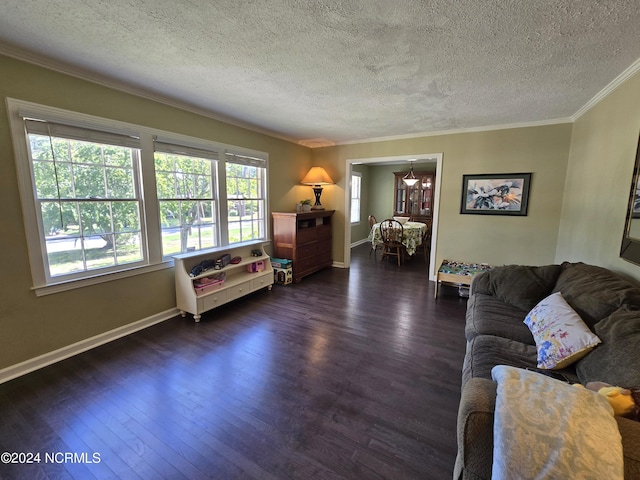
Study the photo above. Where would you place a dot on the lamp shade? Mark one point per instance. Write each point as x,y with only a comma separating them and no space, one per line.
410,179
317,176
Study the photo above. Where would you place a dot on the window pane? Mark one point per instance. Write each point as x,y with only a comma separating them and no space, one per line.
204,186
184,187
128,248
201,236
164,163
168,214
95,217
60,218
165,184
40,147
85,152
45,177
117,156
64,255
120,183
355,211
193,237
187,208
98,254
356,182
89,181
246,220
125,217
246,202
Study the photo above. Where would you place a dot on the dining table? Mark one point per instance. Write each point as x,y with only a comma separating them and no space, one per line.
412,235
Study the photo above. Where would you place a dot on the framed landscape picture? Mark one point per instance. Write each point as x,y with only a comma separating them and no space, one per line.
495,194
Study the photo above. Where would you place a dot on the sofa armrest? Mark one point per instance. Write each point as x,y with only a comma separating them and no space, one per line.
630,432
475,430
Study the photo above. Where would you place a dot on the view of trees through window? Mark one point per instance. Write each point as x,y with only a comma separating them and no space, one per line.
246,201
90,212
187,206
101,196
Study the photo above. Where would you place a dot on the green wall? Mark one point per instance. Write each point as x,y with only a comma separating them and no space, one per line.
603,150
531,239
31,326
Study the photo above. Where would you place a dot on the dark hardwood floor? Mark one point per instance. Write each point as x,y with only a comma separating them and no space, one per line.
350,374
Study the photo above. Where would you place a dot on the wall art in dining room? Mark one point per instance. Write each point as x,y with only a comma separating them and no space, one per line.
495,194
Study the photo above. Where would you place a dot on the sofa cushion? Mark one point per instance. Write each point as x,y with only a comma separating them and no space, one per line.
561,336
616,361
487,315
520,285
594,292
486,351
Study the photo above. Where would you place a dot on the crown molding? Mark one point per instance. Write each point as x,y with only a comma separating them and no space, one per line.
436,133
615,83
83,74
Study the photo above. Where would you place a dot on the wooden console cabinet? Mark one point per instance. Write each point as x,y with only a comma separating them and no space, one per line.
239,281
304,238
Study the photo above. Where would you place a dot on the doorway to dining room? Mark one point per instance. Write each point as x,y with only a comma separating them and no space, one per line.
401,162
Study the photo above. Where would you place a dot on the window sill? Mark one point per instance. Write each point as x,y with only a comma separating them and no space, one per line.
52,288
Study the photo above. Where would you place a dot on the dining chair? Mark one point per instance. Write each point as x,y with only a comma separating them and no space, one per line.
425,246
372,222
392,232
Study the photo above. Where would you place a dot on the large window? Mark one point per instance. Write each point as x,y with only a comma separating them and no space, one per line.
246,197
86,198
185,181
105,197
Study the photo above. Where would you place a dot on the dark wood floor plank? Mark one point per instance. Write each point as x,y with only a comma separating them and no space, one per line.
350,374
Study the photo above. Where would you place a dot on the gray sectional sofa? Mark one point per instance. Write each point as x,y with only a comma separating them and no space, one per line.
498,303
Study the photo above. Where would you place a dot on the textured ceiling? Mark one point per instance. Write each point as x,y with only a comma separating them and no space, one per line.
340,70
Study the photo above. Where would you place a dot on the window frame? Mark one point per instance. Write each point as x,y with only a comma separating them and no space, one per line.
358,197
95,138
194,152
17,110
238,158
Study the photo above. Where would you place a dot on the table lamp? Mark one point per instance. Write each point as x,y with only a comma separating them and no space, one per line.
317,177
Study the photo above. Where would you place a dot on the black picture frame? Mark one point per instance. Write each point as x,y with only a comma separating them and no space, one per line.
495,194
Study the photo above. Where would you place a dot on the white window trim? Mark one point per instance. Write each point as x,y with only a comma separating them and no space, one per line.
253,160
197,151
17,109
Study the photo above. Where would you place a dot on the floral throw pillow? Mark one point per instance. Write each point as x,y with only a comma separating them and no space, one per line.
560,334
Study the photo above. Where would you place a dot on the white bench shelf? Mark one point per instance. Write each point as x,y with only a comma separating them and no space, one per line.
238,282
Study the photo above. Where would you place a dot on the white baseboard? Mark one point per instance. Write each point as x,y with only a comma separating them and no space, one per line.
360,242
41,361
